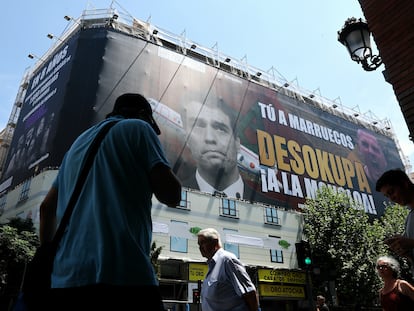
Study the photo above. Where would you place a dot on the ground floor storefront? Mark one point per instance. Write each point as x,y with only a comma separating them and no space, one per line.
278,289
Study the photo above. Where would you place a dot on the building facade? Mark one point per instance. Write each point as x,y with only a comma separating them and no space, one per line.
289,144
392,24
262,236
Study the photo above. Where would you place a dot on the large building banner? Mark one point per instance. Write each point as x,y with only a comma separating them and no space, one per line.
57,107
224,134
31,148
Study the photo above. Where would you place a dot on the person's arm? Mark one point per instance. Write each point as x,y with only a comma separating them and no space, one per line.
401,245
406,289
166,186
47,209
251,300
240,280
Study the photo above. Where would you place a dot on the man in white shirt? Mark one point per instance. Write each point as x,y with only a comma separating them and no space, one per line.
227,285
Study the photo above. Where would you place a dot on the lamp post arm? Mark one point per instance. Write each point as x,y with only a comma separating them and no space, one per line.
375,62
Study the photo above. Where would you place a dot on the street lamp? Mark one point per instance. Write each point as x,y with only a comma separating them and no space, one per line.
355,35
51,36
70,18
33,56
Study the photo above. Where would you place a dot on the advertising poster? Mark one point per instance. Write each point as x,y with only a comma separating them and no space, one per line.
57,107
223,134
230,136
31,148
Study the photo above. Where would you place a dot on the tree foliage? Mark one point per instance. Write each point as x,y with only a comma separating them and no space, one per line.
18,242
346,243
390,224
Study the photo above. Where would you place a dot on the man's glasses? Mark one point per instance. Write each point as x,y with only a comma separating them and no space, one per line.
381,267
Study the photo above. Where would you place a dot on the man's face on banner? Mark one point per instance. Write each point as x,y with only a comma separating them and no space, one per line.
211,138
372,154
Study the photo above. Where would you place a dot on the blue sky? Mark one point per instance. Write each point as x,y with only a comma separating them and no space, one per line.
298,38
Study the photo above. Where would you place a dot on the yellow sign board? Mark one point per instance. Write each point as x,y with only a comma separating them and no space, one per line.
270,290
197,271
282,276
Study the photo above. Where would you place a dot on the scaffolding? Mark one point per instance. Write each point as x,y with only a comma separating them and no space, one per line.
7,133
121,20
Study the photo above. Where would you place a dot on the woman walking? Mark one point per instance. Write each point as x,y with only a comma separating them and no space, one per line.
396,294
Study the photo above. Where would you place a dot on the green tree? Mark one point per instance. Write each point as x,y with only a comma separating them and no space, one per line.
390,224
18,242
344,247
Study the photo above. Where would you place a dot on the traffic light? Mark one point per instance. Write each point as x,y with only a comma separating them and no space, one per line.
303,254
196,295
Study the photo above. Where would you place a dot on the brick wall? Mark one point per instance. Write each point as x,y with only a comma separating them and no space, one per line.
392,25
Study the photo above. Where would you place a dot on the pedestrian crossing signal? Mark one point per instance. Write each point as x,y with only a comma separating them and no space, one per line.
196,295
303,254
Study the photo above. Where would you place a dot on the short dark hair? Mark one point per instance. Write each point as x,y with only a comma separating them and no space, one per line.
215,103
132,105
394,177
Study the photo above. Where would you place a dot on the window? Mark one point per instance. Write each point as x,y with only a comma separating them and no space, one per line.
271,216
233,248
228,208
184,204
24,194
276,256
178,244
3,200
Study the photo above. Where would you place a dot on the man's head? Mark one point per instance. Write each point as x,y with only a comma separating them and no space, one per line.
212,138
320,300
134,106
396,186
371,154
209,242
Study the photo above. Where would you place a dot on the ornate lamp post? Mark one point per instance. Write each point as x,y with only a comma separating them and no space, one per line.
355,35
